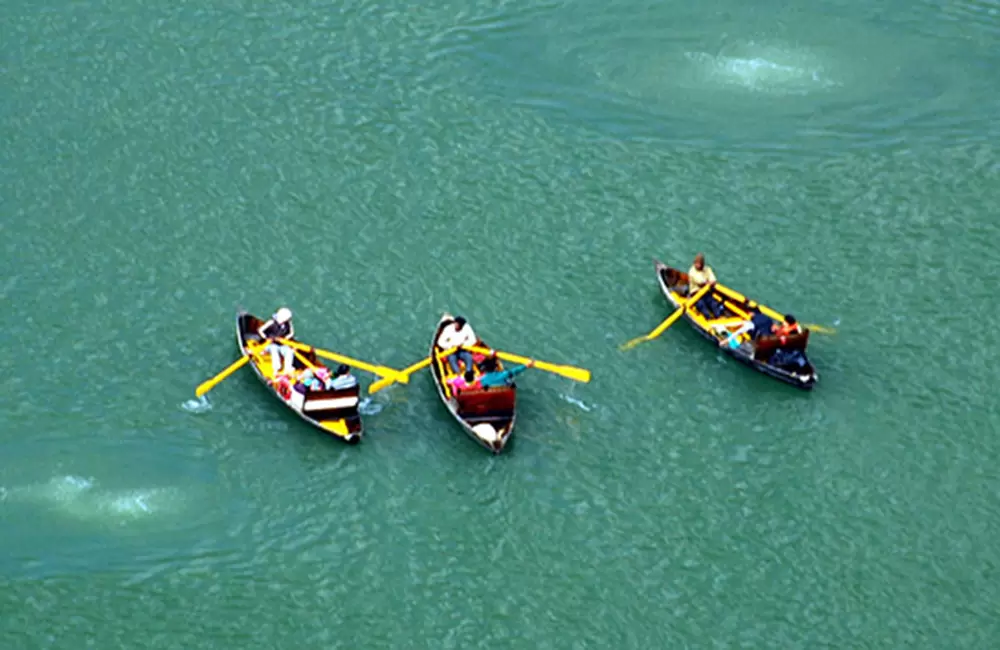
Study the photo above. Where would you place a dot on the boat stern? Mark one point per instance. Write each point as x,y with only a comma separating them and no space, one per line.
490,438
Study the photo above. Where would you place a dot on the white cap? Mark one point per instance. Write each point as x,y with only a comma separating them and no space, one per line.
283,315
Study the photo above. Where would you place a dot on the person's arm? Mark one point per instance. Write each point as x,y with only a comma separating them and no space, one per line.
470,338
291,330
516,370
263,328
710,276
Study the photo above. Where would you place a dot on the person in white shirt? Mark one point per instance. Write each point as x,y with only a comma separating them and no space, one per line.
456,334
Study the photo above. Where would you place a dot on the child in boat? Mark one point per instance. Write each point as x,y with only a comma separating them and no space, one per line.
462,383
315,380
492,377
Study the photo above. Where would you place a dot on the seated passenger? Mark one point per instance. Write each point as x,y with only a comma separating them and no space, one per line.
493,377
343,379
462,383
789,328
762,325
310,381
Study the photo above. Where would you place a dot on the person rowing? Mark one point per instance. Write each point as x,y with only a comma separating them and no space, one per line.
458,334
279,326
700,275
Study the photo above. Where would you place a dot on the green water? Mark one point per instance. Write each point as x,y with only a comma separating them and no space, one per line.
374,164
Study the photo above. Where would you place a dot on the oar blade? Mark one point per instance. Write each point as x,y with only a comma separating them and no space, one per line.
634,342
208,385
581,375
819,329
379,385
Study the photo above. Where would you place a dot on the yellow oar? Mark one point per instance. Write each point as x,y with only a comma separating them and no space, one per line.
819,328
211,383
420,365
662,327
301,357
206,386
381,371
576,374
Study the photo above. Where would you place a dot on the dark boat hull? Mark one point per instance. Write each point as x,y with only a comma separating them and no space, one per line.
334,412
754,355
486,416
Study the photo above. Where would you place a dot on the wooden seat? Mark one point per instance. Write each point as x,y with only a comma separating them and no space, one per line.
765,346
491,403
332,401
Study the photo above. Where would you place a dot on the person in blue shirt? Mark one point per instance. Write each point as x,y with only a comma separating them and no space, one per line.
492,377
343,379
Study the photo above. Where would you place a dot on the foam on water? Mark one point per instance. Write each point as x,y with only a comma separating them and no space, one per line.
762,69
80,498
369,407
576,402
197,405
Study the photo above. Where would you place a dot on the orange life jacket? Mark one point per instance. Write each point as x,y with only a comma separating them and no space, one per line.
787,330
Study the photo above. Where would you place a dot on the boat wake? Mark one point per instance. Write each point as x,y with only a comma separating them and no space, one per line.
762,70
79,497
368,406
576,402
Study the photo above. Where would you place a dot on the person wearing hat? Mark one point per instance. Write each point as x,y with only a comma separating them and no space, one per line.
279,326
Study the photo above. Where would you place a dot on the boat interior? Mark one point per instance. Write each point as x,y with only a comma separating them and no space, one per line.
737,310
490,405
334,410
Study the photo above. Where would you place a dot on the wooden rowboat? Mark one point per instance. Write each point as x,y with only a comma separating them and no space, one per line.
486,415
332,411
759,354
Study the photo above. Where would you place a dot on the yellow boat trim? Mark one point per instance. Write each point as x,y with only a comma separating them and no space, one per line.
751,304
444,375
739,310
336,427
